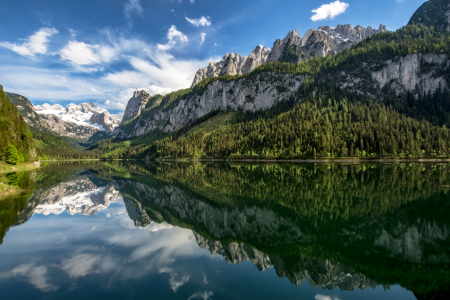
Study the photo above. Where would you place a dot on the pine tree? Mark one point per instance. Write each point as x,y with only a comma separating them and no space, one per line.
12,155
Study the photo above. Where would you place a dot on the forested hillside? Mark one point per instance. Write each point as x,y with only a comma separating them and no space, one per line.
329,125
16,139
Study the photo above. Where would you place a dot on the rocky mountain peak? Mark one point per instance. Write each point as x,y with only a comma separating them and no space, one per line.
80,121
293,35
323,41
135,105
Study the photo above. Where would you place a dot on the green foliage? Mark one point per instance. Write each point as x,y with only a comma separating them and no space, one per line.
12,155
14,131
332,124
49,145
432,14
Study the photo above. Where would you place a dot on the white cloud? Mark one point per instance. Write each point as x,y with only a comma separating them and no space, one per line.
205,295
82,54
199,22
35,275
80,265
329,11
34,44
324,297
175,280
133,6
73,32
192,1
203,36
172,35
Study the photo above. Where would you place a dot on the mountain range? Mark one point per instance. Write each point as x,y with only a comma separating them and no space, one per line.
76,121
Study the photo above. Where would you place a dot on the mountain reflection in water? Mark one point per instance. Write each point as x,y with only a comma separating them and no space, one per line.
334,231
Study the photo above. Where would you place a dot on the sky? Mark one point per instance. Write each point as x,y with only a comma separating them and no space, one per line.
100,51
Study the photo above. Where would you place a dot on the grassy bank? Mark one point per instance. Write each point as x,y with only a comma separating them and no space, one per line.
7,168
6,188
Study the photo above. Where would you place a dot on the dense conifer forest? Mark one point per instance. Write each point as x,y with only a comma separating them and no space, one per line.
17,143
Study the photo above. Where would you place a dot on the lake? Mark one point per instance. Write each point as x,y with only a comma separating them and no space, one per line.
127,230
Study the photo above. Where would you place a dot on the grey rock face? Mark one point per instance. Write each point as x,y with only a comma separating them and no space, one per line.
62,128
325,274
135,105
136,213
249,94
414,72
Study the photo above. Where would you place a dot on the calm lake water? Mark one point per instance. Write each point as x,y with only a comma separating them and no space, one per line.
123,230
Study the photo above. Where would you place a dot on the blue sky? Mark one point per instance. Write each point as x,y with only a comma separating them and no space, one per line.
55,51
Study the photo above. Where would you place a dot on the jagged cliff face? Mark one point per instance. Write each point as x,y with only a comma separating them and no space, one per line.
321,42
233,64
135,105
325,274
418,73
250,94
433,13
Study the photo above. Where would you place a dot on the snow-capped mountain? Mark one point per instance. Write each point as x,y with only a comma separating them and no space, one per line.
81,196
85,114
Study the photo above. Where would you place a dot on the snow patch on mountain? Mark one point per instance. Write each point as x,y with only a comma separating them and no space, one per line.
87,202
85,114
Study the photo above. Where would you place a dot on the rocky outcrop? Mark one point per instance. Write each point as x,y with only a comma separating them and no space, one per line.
321,42
250,94
135,105
136,212
318,273
233,64
433,13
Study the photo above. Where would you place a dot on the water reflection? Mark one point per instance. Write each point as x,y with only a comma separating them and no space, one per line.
328,229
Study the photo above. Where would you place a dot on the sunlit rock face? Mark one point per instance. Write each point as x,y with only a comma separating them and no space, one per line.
135,105
80,196
324,274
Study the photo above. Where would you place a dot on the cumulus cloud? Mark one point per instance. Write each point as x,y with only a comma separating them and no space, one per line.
34,44
82,54
202,22
205,295
172,35
35,275
329,11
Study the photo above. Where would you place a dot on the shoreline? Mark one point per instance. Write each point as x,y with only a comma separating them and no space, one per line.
7,190
7,168
350,160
